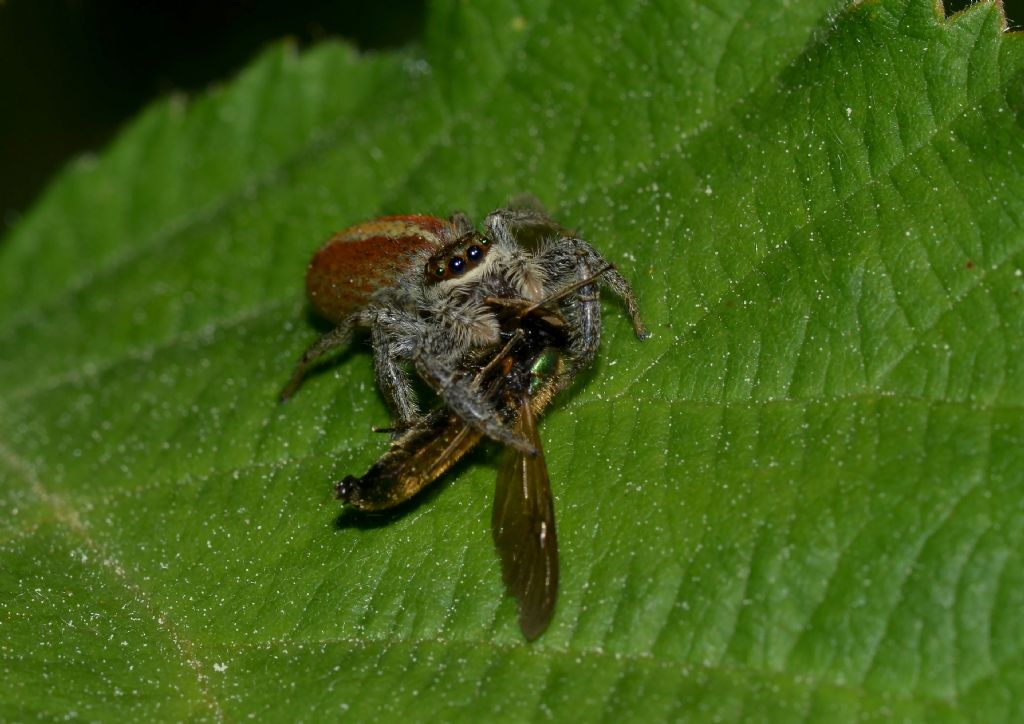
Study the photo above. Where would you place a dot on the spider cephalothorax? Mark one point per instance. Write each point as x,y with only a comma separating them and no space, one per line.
425,286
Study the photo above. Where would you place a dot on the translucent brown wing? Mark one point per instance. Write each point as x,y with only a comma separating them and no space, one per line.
416,459
523,525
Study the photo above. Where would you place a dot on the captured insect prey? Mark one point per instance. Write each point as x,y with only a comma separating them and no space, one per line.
496,323
519,379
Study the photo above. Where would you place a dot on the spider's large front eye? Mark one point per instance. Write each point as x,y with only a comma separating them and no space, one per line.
474,253
457,264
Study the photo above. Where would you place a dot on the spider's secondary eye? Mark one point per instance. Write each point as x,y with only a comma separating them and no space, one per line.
484,241
474,253
438,271
457,264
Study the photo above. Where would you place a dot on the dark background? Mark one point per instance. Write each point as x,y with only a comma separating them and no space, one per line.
72,72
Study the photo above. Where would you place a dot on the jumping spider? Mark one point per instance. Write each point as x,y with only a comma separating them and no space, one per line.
517,379
425,287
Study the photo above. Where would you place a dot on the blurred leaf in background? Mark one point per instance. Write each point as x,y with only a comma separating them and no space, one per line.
801,499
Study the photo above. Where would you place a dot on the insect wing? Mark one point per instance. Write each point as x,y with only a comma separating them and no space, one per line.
356,262
414,460
523,525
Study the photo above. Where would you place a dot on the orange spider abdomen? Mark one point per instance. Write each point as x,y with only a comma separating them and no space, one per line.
355,263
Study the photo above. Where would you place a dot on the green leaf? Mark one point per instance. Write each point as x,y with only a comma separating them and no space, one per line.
803,498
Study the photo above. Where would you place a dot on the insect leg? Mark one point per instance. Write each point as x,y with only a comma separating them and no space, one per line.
585,330
590,261
528,219
515,232
337,337
391,336
463,224
465,399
